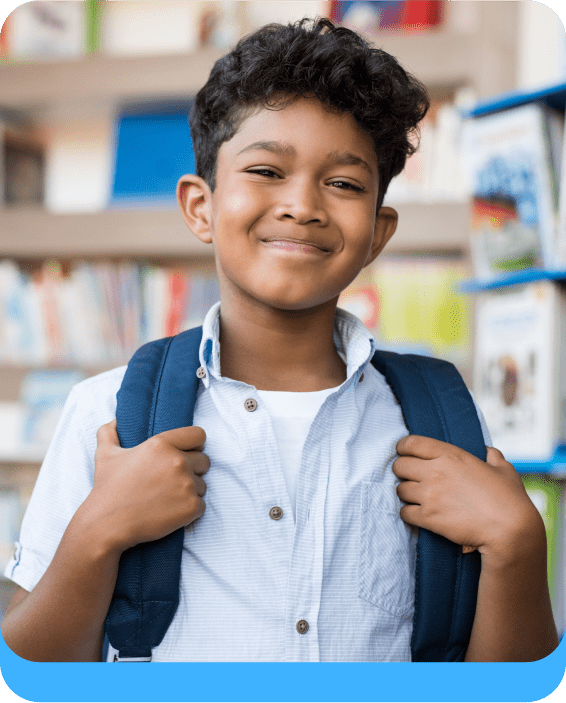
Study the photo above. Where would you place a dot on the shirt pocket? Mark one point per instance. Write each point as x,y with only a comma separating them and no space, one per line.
386,576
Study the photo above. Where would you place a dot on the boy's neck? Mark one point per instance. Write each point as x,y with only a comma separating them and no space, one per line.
277,350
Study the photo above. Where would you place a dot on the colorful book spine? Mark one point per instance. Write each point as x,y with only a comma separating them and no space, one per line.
96,313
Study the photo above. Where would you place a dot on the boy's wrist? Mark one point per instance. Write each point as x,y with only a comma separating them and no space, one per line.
97,530
525,540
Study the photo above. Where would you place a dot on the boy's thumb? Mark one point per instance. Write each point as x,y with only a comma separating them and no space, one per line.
108,434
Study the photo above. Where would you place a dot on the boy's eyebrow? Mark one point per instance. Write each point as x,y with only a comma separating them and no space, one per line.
276,147
341,158
346,158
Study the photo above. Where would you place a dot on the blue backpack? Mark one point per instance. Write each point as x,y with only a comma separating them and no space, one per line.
158,393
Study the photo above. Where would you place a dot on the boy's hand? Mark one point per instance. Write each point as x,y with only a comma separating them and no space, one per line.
150,490
469,501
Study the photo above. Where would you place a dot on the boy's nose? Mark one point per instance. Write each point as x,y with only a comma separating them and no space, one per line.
303,204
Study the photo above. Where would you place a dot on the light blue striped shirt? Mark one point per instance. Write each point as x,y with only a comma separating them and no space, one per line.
345,566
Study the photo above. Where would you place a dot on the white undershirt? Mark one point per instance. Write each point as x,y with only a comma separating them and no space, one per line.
292,414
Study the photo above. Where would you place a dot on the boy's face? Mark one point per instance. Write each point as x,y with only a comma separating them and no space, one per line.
293,215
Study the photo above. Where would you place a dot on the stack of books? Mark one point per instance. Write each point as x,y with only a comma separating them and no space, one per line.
514,166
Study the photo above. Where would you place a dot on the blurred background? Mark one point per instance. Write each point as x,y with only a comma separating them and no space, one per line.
95,258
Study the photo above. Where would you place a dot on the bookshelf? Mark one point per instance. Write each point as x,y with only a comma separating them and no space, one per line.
451,55
481,56
540,379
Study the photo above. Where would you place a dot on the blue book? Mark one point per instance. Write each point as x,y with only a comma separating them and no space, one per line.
153,150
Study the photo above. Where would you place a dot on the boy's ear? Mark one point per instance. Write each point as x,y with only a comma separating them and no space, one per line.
194,196
385,226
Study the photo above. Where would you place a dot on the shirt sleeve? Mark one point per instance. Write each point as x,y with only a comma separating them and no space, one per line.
65,479
484,427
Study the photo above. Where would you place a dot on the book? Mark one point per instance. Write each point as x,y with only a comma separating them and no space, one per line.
23,172
177,299
149,27
151,174
97,313
370,17
561,218
510,170
21,332
43,392
22,165
47,30
519,374
219,24
12,414
411,305
435,172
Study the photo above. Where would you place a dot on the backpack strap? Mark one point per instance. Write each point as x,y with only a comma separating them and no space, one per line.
436,403
158,393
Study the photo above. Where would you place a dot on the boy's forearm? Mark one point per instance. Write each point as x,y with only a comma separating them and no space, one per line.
514,620
62,618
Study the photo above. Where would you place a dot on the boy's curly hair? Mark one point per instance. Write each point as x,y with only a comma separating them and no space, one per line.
272,66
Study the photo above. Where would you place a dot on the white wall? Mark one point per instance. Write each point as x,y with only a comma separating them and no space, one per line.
542,57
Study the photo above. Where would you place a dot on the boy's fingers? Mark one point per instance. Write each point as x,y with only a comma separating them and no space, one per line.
200,463
200,486
408,468
495,457
412,514
107,434
185,438
421,447
409,492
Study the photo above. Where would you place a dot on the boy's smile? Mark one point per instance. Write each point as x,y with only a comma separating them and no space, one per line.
293,214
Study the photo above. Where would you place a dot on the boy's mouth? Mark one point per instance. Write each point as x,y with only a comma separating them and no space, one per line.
300,245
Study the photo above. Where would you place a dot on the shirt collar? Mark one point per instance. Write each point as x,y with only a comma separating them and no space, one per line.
354,343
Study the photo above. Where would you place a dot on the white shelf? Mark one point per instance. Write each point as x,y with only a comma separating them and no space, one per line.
40,89
443,58
36,233
23,456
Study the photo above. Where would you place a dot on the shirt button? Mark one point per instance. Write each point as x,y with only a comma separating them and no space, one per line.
361,378
302,627
250,405
276,513
201,372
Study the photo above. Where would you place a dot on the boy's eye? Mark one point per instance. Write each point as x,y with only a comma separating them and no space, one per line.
342,185
347,185
262,171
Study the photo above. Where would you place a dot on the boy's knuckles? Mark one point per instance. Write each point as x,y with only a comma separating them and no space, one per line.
178,463
200,485
199,462
496,458
157,443
102,434
198,435
195,506
436,474
409,444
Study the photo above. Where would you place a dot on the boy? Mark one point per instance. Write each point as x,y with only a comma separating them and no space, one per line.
302,553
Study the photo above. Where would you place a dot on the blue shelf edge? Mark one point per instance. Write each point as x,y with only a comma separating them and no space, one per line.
554,465
512,279
554,96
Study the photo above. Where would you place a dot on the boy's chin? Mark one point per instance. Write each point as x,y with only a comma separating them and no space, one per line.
296,306
277,297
